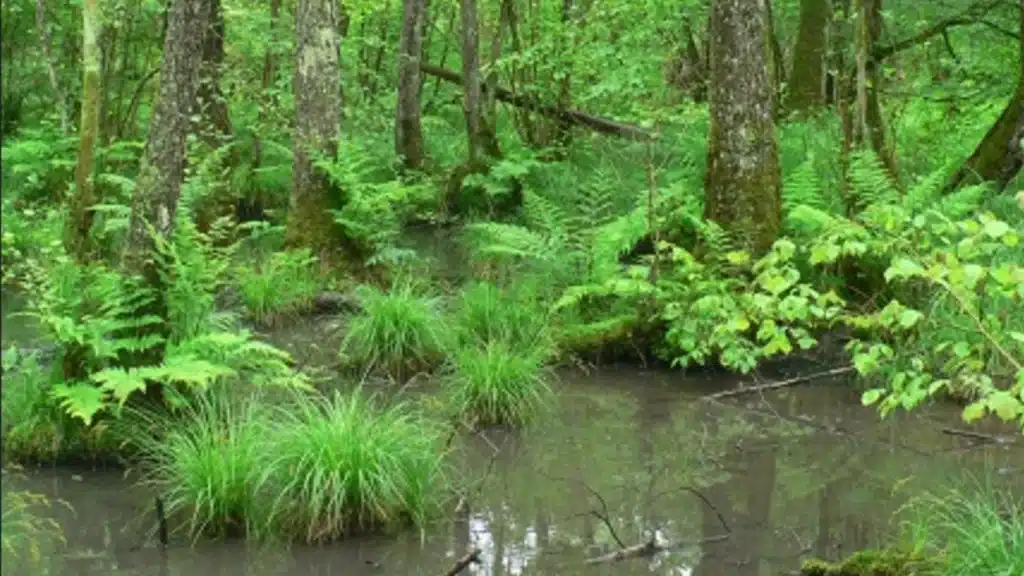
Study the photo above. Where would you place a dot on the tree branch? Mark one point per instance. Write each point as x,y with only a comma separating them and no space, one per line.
972,15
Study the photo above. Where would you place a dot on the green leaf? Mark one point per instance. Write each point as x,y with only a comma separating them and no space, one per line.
974,411
903,268
909,317
119,382
80,400
995,229
1005,405
872,396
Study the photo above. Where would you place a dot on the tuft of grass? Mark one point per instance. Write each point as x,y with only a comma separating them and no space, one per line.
496,384
34,428
28,537
976,532
208,461
398,333
486,314
285,283
343,464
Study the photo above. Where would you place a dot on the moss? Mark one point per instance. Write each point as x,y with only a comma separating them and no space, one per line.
872,563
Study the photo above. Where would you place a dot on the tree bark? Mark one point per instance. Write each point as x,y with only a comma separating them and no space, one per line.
215,119
867,126
79,223
472,102
743,180
162,167
1000,154
51,68
408,126
317,127
251,208
778,65
807,80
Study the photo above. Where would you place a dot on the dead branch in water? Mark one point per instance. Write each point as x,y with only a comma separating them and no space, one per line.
604,515
650,548
781,384
470,557
978,436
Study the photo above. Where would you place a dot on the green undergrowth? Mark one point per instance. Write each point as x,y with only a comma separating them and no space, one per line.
872,563
311,469
30,538
278,286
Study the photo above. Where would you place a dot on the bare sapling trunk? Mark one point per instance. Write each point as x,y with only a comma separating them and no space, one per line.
317,128
79,223
408,126
51,68
162,166
743,181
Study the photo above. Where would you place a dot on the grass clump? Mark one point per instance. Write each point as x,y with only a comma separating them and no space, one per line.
976,532
398,333
209,462
34,428
343,464
485,314
871,563
284,284
497,384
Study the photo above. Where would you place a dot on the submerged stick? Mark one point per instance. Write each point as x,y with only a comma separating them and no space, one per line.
161,522
978,436
650,548
780,384
470,557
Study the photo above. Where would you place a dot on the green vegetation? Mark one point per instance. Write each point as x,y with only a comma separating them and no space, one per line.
619,191
28,538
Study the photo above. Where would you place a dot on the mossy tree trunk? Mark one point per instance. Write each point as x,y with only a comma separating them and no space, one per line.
472,100
251,208
214,124
1000,154
162,167
317,128
688,72
743,182
408,126
807,80
79,223
778,68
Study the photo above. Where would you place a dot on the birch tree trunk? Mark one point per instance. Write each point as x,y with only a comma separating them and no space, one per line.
80,217
317,127
162,167
408,126
743,181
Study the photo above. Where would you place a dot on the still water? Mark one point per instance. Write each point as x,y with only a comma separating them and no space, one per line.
803,471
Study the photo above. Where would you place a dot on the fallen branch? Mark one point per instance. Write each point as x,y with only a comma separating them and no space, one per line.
780,384
470,557
595,123
650,548
978,436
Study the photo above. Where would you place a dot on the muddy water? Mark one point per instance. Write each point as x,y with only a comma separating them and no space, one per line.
804,471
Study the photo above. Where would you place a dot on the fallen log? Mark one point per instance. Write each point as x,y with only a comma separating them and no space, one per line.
649,548
595,123
334,302
778,385
470,557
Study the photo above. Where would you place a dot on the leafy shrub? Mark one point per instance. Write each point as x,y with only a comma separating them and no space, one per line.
398,333
343,464
206,459
496,384
284,283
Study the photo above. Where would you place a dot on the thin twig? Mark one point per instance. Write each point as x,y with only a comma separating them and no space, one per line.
605,517
470,557
780,384
707,503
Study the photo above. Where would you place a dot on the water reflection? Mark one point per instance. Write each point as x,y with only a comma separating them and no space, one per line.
622,456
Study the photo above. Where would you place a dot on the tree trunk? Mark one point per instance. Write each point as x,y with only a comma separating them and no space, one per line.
408,128
472,102
743,180
689,72
51,68
162,167
867,125
778,65
80,217
214,125
317,127
807,80
251,208
1000,154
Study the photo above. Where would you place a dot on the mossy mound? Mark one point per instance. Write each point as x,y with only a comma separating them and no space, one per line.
872,563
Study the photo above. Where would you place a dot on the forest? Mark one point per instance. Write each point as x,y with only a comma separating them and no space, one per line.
696,287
